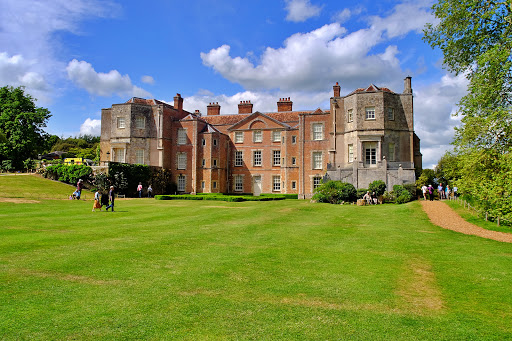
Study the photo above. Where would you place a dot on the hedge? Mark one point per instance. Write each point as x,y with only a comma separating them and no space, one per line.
220,197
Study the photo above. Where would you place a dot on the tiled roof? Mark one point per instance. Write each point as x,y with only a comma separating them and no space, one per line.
371,88
224,119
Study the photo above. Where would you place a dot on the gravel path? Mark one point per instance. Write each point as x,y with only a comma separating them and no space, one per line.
442,215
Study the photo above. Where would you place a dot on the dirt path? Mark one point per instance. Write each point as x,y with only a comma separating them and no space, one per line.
442,215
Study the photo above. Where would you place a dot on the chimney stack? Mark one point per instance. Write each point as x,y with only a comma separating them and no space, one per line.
198,113
213,109
245,107
178,103
284,104
407,85
336,89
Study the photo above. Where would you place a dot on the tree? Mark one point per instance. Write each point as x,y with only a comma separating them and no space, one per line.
475,37
22,124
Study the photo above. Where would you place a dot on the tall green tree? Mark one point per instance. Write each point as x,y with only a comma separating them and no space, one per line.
475,37
22,124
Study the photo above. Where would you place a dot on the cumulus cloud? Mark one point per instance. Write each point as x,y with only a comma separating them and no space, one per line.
404,18
91,127
301,10
434,110
148,80
345,14
262,101
27,30
102,84
308,60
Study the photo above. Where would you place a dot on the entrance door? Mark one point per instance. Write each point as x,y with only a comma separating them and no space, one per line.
370,150
257,185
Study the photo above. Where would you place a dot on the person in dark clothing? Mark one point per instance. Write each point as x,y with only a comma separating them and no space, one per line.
111,198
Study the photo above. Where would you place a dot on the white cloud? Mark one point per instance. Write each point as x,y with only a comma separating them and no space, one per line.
308,60
91,127
404,18
27,30
301,10
262,101
102,84
434,109
148,80
345,14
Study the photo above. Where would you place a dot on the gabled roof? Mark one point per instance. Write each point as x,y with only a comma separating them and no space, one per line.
371,88
258,114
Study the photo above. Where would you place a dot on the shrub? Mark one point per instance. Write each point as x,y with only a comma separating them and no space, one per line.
402,194
335,192
378,186
361,192
68,174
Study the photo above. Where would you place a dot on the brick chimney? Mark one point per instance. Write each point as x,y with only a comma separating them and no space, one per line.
178,102
213,109
336,88
245,107
407,85
284,104
197,113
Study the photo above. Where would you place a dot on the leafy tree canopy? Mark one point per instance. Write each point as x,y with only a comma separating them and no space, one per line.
21,123
475,37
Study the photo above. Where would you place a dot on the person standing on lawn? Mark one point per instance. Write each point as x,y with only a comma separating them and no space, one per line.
79,186
97,203
150,191
111,198
139,189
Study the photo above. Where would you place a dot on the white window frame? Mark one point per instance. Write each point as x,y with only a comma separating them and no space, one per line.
214,142
276,183
294,161
203,185
317,181
182,136
370,113
257,158
294,139
350,115
239,137
239,158
139,156
317,160
276,135
317,130
203,163
140,122
181,161
214,184
121,123
294,184
257,136
182,183
239,183
214,163
203,142
370,158
276,157
350,152
119,155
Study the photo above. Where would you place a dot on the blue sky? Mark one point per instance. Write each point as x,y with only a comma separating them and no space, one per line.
79,56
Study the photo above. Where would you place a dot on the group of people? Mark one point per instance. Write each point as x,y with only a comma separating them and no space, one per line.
444,192
140,188
101,200
371,199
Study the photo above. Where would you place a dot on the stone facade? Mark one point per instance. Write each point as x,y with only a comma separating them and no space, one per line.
365,136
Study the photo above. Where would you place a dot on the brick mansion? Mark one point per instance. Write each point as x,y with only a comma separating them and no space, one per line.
366,135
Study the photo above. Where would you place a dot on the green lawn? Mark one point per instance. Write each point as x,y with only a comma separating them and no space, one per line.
203,270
